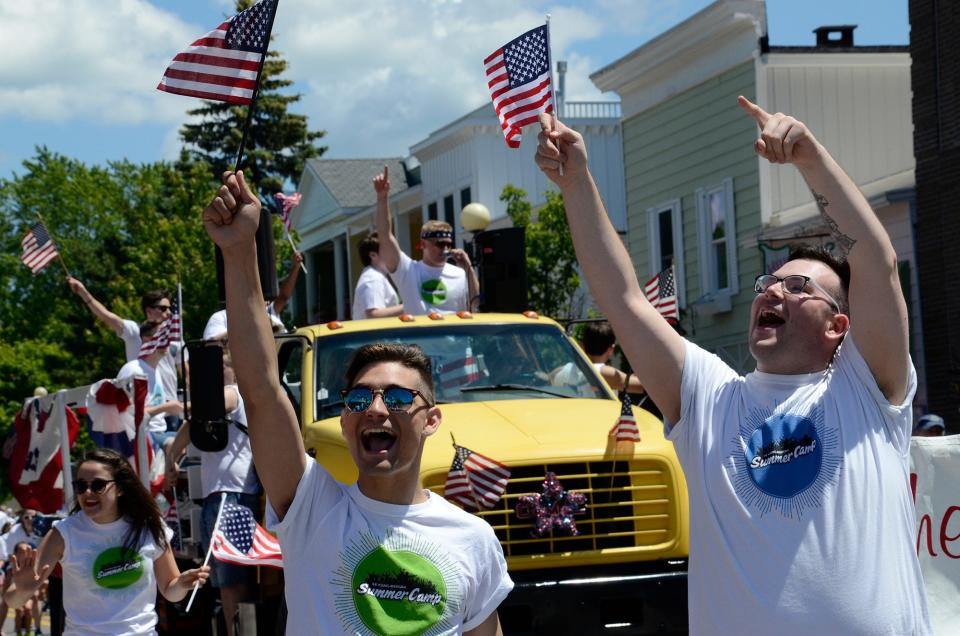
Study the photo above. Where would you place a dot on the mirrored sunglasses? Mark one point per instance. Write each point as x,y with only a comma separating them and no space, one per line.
96,486
395,398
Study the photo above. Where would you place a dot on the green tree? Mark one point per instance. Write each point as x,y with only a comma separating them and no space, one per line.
122,229
552,274
278,142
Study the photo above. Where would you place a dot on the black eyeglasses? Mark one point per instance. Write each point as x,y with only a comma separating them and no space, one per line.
395,398
792,284
96,486
162,307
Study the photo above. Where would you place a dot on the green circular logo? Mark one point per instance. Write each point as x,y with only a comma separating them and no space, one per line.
398,593
433,291
117,568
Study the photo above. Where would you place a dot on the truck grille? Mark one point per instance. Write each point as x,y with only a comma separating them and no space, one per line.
630,504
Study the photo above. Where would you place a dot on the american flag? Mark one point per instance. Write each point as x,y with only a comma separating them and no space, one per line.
475,481
459,371
223,64
241,540
287,202
518,75
38,248
661,291
625,430
170,331
172,519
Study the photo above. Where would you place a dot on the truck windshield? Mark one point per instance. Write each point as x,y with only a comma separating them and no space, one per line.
471,363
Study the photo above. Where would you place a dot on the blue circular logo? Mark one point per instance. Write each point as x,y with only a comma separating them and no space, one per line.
784,455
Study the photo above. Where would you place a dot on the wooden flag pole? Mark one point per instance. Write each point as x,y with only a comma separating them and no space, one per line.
59,253
256,89
553,85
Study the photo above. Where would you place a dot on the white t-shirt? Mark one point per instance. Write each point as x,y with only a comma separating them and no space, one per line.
801,517
155,392
373,291
356,565
168,365
424,288
106,591
231,469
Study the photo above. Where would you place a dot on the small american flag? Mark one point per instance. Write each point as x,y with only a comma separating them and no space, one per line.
518,75
172,519
661,291
169,332
459,371
242,541
223,64
625,430
287,202
38,248
475,481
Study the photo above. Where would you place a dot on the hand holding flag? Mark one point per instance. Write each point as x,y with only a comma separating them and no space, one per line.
287,202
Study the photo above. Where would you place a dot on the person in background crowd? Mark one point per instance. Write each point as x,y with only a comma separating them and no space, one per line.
228,471
115,552
431,284
929,425
158,403
157,307
324,527
374,296
287,286
797,473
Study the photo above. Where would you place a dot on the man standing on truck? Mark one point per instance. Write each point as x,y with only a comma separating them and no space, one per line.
801,514
431,284
383,554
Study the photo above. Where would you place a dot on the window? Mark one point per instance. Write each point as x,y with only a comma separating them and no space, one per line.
465,198
718,237
449,214
432,211
665,229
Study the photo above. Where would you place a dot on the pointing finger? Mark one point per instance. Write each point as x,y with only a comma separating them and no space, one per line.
758,114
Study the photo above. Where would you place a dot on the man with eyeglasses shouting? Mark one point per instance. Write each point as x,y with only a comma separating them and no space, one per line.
383,555
800,510
157,307
443,281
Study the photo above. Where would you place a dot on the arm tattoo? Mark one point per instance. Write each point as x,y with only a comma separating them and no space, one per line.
844,242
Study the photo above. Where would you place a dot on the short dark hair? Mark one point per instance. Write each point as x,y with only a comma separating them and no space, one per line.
597,337
367,246
148,328
840,267
410,356
152,297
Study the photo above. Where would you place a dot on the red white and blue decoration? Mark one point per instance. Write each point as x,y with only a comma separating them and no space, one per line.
553,509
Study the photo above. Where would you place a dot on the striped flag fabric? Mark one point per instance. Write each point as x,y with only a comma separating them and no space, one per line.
38,248
661,291
242,541
454,372
518,75
287,202
475,481
625,429
223,65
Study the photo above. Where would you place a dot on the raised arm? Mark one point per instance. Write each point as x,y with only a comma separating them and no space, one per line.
878,311
389,247
288,284
109,318
654,349
231,220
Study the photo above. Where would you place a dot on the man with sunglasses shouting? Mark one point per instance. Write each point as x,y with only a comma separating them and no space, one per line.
383,555
800,509
443,281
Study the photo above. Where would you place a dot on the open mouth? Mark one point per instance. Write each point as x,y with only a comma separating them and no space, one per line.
377,440
768,318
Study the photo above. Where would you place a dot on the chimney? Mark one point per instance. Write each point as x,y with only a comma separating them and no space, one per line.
561,87
831,37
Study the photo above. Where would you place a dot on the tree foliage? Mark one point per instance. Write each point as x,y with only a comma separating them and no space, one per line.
278,143
552,274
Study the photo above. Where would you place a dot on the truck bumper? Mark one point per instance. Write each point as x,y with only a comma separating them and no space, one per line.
634,598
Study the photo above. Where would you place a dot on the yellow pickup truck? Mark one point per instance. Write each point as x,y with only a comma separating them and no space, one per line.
518,390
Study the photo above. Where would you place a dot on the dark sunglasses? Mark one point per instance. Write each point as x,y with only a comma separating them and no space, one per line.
162,307
395,398
96,486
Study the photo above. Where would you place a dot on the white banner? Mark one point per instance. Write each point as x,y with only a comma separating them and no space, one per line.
934,477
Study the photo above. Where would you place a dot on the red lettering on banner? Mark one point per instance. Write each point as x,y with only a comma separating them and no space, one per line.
944,538
925,526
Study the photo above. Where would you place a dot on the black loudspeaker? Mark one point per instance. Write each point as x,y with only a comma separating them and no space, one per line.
266,260
502,260
207,412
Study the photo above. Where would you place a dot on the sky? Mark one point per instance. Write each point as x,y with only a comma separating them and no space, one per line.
79,76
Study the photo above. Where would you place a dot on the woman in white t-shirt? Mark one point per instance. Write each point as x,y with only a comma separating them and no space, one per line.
115,552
